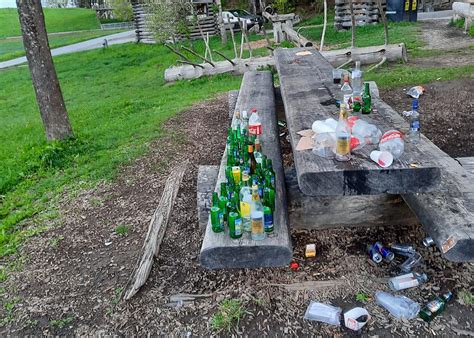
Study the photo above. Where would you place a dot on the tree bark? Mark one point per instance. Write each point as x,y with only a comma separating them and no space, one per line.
45,81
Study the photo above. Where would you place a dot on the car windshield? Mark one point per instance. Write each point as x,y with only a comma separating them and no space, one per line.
240,12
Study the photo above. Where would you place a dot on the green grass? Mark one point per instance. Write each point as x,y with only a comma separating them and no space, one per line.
117,100
369,35
400,75
12,48
465,297
57,20
459,23
61,323
122,230
228,316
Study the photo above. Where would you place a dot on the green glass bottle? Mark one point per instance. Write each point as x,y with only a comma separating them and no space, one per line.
268,219
235,225
270,173
217,219
223,205
215,199
366,100
435,307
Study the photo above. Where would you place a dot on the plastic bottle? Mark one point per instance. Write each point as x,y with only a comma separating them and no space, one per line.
346,92
255,124
409,280
398,306
414,134
392,141
356,80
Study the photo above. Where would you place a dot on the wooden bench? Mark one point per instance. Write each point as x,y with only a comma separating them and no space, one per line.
218,249
439,190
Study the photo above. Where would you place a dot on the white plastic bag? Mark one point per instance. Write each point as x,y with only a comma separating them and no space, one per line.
323,313
325,145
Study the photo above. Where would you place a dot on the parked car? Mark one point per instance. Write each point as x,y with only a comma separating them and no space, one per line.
232,17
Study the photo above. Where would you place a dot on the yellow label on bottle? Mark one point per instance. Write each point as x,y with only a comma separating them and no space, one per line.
236,174
257,226
407,5
343,146
244,209
413,5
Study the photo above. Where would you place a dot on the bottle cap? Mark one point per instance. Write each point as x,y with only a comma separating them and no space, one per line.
415,104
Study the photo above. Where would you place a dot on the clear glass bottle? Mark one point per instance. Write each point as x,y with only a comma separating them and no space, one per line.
346,92
257,216
245,197
414,133
343,136
406,281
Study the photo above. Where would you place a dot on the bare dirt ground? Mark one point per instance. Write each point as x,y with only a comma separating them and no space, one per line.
437,34
69,286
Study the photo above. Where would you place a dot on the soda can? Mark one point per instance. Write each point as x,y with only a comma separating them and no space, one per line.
386,253
403,250
374,254
268,219
428,241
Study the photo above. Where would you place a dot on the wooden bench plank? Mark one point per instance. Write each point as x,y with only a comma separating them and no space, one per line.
218,249
307,91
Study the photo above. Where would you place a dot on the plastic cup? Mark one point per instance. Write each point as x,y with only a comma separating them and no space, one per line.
382,158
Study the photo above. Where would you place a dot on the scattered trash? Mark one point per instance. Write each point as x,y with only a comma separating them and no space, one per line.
294,266
398,306
428,241
435,307
356,318
416,92
403,250
392,141
310,250
304,53
382,158
406,281
374,253
306,133
411,262
108,243
386,253
324,145
366,132
282,123
305,143
323,313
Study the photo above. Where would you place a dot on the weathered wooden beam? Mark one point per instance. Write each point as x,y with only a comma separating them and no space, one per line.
156,232
218,250
187,72
301,41
367,55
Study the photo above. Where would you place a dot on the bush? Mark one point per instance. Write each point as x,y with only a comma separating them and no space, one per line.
122,10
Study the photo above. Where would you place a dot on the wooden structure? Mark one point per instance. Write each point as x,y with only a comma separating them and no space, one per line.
218,249
318,176
446,211
365,12
207,20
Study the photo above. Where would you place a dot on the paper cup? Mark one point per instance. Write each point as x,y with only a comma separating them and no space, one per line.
351,318
382,158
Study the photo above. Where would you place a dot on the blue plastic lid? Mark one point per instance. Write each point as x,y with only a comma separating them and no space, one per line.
415,104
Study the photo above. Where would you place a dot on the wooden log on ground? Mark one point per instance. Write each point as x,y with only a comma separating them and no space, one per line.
218,249
367,55
156,232
187,72
301,41
307,212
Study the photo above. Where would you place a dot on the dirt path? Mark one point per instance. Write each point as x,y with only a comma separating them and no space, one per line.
69,286
437,34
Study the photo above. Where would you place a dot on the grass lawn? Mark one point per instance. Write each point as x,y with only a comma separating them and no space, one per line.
12,48
116,99
57,20
369,35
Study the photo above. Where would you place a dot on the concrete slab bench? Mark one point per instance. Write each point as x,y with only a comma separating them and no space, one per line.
218,249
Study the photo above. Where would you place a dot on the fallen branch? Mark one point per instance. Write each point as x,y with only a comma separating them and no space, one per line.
366,55
384,59
191,63
225,57
311,285
295,37
199,56
156,232
324,25
177,52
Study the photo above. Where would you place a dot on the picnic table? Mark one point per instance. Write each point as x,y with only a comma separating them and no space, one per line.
308,94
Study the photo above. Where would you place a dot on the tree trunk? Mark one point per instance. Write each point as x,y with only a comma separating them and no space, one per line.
220,23
45,81
253,7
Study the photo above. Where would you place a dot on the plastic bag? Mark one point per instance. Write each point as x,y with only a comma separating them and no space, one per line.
323,313
416,92
325,145
398,306
392,141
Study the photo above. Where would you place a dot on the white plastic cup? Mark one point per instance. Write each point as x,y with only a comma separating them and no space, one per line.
382,158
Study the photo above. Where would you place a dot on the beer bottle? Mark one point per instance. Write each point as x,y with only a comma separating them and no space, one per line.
215,199
217,219
366,100
435,307
270,172
222,205
343,136
252,161
258,152
235,225
268,219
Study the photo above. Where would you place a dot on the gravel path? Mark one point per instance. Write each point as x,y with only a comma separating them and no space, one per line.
437,34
